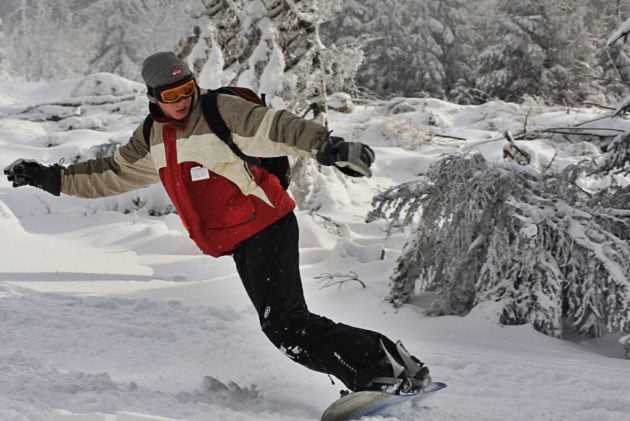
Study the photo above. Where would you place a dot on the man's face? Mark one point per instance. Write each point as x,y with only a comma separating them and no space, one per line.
175,101
176,110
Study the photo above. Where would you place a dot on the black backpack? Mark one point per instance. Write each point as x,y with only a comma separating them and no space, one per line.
277,166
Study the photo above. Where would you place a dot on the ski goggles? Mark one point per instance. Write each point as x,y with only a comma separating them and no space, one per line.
176,93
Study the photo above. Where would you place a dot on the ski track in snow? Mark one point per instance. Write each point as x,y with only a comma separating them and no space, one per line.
140,340
105,354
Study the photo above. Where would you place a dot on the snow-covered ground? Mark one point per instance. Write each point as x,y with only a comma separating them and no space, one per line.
117,316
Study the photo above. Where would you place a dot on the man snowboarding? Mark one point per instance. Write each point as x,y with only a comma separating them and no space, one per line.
231,207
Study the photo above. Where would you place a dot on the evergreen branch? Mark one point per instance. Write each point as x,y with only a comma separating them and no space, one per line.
554,254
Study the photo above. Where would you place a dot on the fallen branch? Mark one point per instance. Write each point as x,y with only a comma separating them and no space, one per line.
513,152
449,137
577,131
338,279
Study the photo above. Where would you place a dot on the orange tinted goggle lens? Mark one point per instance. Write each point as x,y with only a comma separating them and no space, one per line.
178,92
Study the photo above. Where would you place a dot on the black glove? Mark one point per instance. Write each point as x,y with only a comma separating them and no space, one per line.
352,158
28,172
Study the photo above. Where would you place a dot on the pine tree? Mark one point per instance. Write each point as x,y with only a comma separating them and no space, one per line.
552,256
538,48
411,48
115,53
370,24
458,39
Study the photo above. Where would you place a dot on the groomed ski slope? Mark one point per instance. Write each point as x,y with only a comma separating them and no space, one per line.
118,317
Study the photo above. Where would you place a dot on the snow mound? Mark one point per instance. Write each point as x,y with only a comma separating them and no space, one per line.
6,100
106,84
8,220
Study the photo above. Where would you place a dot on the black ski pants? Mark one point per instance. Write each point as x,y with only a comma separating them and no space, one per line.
268,264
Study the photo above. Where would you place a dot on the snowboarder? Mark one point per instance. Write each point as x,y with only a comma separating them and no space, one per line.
233,208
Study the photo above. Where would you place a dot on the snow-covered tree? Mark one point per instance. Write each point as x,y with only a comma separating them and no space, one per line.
403,47
539,48
115,53
614,53
269,46
410,47
463,22
132,30
552,256
351,27
45,39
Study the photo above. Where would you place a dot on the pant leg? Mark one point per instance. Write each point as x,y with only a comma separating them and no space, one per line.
268,264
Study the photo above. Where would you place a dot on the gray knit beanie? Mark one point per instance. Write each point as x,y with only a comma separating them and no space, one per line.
163,69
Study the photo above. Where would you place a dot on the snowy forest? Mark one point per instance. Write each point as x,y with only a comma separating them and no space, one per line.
568,270
466,52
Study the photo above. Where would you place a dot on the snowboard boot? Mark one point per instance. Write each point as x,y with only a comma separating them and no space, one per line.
409,374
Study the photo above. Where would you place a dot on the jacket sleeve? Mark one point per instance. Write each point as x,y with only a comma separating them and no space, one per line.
266,132
130,167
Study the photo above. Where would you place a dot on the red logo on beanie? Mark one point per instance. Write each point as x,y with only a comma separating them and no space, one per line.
176,72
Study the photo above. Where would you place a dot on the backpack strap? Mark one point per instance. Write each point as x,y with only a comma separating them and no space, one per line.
146,129
218,126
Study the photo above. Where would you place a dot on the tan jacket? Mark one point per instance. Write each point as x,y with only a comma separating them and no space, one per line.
258,131
220,199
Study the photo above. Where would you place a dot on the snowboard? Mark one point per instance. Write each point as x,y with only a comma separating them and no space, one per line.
365,403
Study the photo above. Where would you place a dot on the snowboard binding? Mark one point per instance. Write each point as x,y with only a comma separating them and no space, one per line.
409,378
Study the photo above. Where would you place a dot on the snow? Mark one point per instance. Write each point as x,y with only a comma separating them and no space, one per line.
624,105
621,32
117,316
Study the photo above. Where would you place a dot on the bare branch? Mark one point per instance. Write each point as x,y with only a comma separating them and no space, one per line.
338,279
